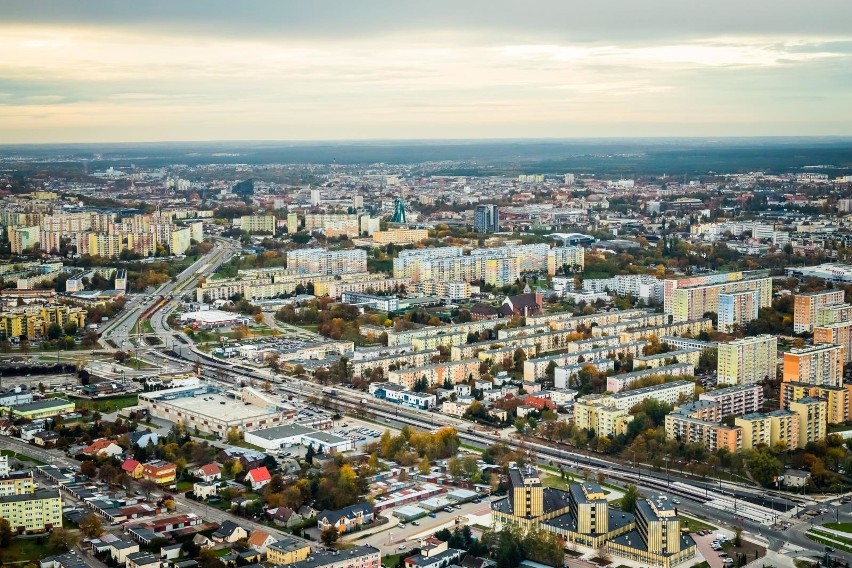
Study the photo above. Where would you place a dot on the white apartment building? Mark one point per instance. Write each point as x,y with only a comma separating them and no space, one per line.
736,401
327,261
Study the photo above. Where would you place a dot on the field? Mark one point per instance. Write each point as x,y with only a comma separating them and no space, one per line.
108,404
844,527
21,457
24,550
694,524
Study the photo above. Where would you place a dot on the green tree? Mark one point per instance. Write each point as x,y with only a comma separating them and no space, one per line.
90,526
5,533
61,540
329,536
631,496
763,466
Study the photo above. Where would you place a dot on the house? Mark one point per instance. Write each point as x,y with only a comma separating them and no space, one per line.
209,472
202,541
796,478
120,549
539,403
259,540
258,477
284,517
132,468
205,489
102,447
348,519
159,471
46,438
142,439
229,532
522,305
142,560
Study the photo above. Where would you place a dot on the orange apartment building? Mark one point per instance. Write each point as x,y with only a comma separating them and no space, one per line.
805,307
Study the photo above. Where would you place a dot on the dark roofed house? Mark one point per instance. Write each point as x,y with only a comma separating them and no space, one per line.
481,312
522,305
347,519
229,532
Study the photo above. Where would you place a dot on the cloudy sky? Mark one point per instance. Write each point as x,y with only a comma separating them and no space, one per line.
116,70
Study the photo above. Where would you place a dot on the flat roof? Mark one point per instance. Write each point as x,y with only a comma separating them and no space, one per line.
326,437
217,406
45,404
284,431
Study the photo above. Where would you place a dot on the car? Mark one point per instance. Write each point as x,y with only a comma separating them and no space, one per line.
402,546
401,525
415,523
432,515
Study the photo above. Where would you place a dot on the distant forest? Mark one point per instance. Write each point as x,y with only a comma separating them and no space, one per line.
630,158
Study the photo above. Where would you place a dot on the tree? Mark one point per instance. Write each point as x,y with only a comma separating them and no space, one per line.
90,526
233,435
61,540
738,536
629,499
5,533
329,536
309,454
89,469
424,467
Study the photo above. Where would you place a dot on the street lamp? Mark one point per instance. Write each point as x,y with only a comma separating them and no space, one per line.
668,483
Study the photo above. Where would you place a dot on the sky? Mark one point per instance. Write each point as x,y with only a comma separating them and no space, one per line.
184,70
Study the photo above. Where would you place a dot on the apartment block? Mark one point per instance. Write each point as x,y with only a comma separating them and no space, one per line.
603,419
263,224
826,315
805,307
619,383
820,365
736,309
571,259
690,303
756,430
712,435
836,398
812,419
784,428
437,374
748,360
327,261
24,238
736,401
838,333
180,240
690,356
33,321
399,236
35,512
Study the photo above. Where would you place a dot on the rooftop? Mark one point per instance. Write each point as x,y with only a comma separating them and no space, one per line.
279,432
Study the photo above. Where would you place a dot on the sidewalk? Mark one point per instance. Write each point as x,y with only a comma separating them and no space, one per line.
772,560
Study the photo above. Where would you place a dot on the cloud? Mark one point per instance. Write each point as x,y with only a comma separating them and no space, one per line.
129,73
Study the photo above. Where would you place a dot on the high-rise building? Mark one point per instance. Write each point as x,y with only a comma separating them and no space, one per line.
180,240
486,219
820,365
36,512
806,305
839,333
748,360
736,309
812,419
292,223
258,224
322,261
569,259
316,199
23,238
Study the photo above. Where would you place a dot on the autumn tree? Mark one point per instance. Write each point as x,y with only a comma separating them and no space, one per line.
329,536
90,526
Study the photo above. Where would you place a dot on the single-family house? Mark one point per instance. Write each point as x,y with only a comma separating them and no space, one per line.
348,519
208,472
229,531
259,540
102,447
258,477
132,468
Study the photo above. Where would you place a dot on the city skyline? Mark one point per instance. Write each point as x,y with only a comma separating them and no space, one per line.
116,72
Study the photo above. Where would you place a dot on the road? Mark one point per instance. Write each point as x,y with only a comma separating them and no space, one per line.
722,502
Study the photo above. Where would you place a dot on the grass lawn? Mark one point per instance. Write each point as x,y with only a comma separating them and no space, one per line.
24,550
134,363
836,542
108,404
21,457
183,486
694,524
392,560
147,327
244,444
845,527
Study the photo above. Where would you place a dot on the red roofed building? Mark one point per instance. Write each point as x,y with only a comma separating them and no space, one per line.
258,477
539,403
102,447
209,472
132,468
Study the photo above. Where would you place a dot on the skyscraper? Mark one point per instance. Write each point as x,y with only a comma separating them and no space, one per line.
486,219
